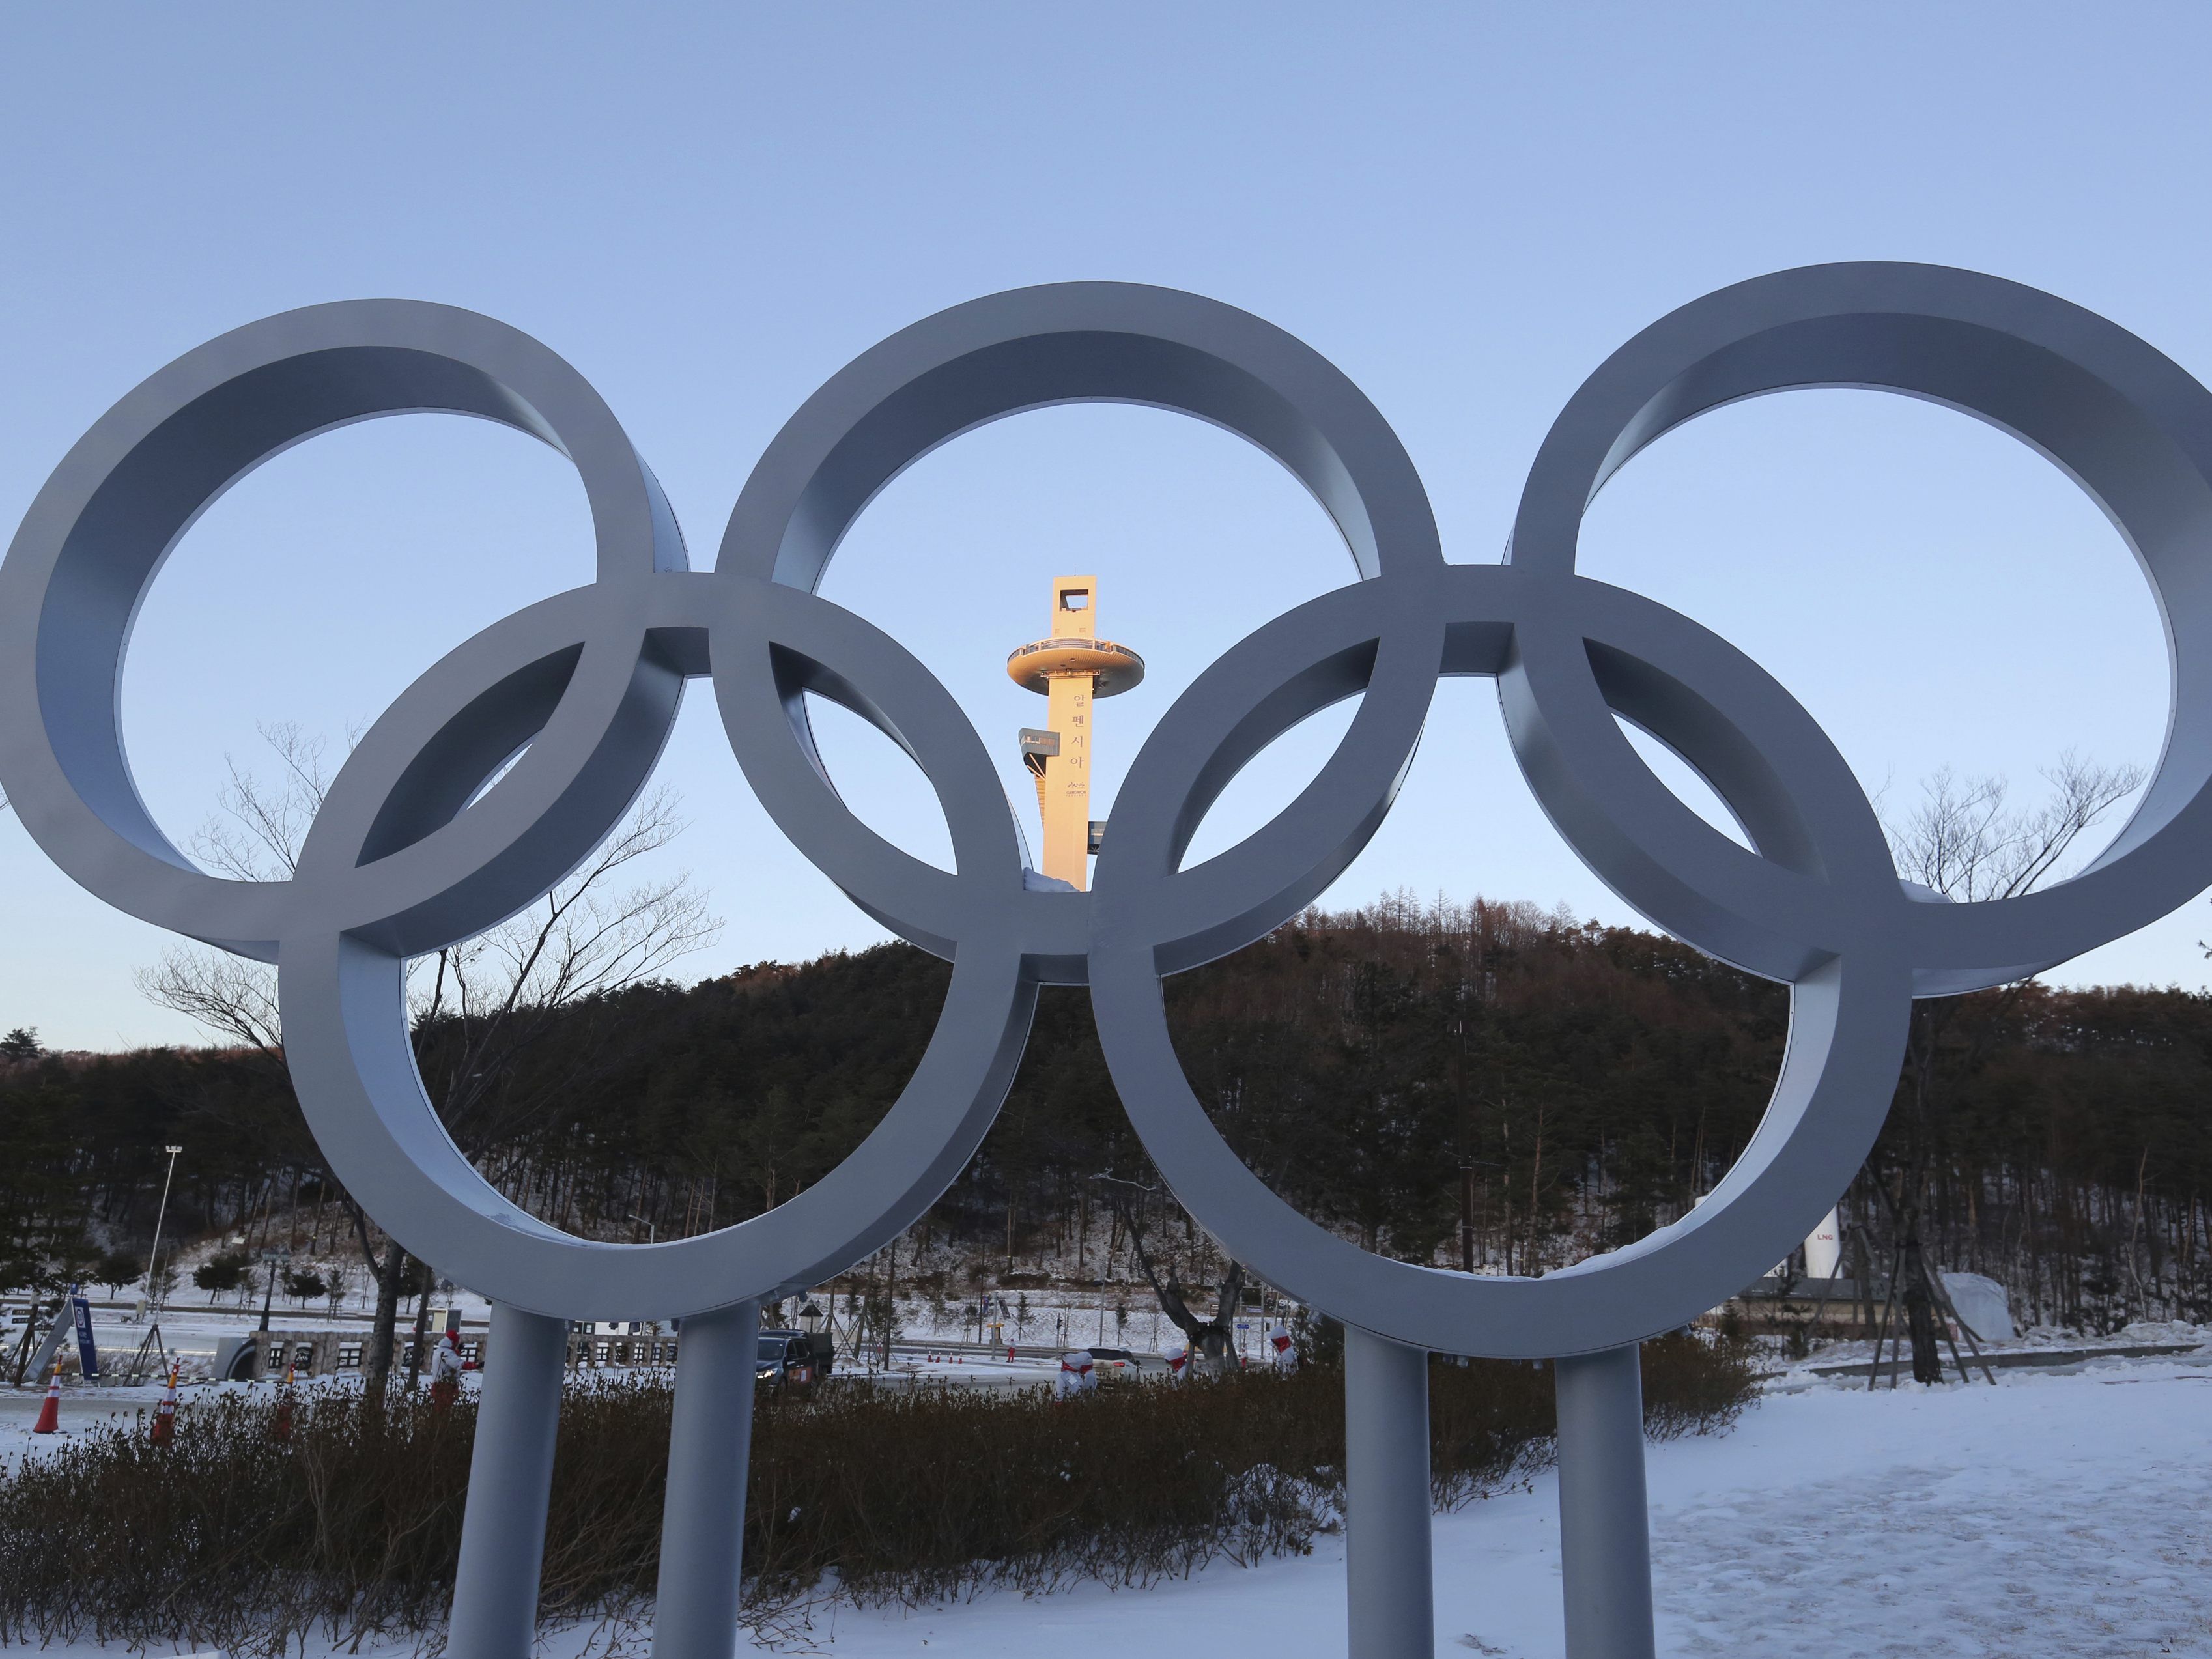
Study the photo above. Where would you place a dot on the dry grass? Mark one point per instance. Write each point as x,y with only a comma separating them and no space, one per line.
230,1537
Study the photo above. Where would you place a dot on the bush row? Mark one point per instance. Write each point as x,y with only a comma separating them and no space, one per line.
241,1535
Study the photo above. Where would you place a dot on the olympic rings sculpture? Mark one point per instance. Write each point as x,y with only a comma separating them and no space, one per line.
405,858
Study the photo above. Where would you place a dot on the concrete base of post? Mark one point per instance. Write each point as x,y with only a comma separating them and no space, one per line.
1389,1584
702,1527
1605,1527
510,1481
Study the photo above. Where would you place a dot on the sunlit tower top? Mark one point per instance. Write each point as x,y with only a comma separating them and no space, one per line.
1073,667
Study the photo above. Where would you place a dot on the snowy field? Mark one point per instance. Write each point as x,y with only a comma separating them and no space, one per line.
1058,1319
2052,1514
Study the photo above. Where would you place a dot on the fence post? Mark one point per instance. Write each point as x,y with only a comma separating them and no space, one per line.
1605,1527
702,1525
510,1480
1389,1590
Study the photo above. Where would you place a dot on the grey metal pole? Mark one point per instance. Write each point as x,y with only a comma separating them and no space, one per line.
154,1299
1605,1528
510,1480
1389,1587
702,1525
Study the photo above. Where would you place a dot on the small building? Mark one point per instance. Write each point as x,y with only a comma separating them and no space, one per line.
620,1342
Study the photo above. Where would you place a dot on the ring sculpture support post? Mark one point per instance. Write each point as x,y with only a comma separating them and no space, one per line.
1389,1588
702,1525
1605,1528
510,1480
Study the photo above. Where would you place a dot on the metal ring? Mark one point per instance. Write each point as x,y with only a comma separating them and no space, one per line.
1850,983
997,356
97,534
405,858
2124,422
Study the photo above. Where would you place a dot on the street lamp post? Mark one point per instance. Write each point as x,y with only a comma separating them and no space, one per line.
152,1341
153,1257
651,1234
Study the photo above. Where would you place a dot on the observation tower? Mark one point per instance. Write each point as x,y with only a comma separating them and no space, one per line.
1073,668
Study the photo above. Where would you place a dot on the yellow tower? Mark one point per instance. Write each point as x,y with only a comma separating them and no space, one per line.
1073,667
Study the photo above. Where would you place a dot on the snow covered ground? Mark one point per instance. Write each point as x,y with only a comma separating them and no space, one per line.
1060,1319
2052,1515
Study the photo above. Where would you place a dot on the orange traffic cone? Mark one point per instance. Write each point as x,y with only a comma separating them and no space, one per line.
50,1414
165,1414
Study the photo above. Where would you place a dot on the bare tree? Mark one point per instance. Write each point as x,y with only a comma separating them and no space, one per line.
1212,1342
255,834
228,995
496,997
479,1008
1965,842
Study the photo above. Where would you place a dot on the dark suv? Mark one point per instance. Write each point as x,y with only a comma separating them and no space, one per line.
792,1356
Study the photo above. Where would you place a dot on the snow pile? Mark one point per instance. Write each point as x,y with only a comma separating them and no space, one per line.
2141,1334
1979,1302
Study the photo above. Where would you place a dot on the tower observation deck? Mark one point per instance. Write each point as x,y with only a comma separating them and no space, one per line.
1073,668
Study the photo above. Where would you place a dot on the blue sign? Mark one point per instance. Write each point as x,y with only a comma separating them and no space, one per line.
88,1356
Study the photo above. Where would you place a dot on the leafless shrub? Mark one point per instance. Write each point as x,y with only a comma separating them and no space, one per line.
230,1537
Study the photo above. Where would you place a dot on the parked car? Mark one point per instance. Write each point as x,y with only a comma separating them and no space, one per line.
792,1356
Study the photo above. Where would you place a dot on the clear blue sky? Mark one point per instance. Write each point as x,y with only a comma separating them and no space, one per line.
708,209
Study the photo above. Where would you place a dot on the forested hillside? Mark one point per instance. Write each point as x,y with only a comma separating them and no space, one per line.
1590,1081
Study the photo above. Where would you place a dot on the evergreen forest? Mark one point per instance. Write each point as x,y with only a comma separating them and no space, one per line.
1490,1086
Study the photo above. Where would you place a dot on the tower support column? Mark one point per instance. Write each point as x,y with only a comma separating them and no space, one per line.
1064,791
1074,669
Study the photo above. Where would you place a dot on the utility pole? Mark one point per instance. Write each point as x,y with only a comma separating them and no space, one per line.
268,1261
1467,1218
890,1302
1467,1139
